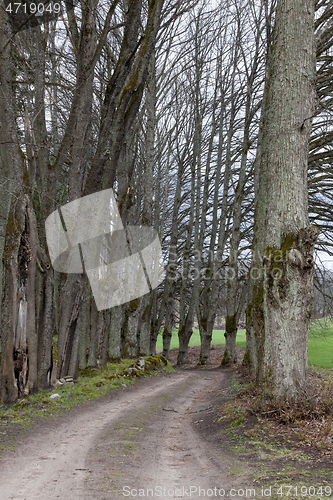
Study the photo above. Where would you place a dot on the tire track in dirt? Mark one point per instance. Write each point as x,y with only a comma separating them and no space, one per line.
72,459
155,452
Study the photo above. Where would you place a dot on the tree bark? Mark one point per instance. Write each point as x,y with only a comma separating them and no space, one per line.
18,248
114,351
251,353
167,330
184,336
131,344
148,195
282,294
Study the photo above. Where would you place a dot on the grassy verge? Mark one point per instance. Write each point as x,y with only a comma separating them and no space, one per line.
92,383
287,452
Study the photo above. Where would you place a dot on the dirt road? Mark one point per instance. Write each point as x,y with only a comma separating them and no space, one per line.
141,442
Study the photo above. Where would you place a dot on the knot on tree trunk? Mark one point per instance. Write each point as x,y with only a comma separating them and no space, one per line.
301,253
296,252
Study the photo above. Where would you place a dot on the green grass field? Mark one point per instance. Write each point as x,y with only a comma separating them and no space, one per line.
320,347
218,338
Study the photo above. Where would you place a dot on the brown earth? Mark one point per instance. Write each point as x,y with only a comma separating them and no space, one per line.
216,356
165,437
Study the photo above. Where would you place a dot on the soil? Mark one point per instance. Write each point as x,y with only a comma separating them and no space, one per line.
176,435
216,356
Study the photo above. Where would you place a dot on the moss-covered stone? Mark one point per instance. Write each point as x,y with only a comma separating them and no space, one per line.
89,372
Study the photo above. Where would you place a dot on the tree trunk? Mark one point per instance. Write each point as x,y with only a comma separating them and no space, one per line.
210,292
169,284
103,328
282,294
18,303
234,305
45,287
251,354
154,324
230,355
184,335
9,151
147,215
145,325
131,344
84,331
206,335
18,245
167,330
188,305
69,313
117,318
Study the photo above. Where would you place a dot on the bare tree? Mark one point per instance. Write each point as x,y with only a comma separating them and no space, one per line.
283,238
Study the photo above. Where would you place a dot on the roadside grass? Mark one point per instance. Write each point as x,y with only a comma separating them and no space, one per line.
96,382
290,457
92,383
